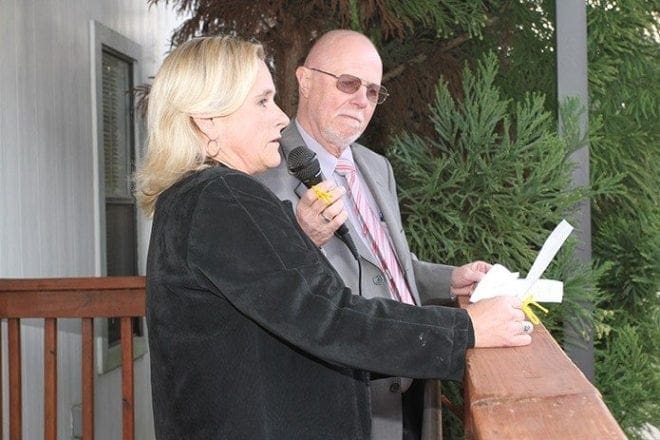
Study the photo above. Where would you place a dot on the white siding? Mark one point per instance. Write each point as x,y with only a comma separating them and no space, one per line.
47,223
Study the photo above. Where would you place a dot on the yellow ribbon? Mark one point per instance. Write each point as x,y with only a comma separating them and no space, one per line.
322,195
526,307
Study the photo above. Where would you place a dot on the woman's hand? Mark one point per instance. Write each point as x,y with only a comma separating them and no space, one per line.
499,322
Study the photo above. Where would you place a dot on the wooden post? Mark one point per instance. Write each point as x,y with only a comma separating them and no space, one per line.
15,401
128,422
88,378
50,379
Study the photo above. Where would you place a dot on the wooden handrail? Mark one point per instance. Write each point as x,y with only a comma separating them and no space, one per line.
532,392
85,298
106,297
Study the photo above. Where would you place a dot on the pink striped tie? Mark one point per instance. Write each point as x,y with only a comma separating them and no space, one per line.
375,232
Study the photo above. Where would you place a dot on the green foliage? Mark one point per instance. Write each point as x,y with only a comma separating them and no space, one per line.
493,181
623,53
580,288
620,363
443,16
624,91
628,357
522,35
635,245
491,184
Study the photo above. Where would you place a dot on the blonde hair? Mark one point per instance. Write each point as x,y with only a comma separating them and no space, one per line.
203,77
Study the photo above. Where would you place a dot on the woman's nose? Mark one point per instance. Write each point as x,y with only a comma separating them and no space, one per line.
283,120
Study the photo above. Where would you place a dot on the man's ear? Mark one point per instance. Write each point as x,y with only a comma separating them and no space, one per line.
207,126
304,77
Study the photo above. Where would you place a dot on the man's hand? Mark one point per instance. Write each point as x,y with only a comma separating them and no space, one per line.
465,278
319,219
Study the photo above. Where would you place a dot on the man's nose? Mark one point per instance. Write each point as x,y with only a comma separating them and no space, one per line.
359,98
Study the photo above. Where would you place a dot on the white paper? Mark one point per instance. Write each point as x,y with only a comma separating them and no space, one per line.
550,248
500,281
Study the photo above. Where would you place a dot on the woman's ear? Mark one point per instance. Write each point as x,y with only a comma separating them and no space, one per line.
208,127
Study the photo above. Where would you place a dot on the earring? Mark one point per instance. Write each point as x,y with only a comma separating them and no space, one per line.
208,148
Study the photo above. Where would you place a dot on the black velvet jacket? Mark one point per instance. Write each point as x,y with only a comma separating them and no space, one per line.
252,333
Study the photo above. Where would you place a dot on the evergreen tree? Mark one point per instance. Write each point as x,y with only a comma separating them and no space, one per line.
492,181
624,64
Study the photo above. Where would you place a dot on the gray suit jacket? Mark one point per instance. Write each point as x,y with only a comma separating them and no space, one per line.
427,281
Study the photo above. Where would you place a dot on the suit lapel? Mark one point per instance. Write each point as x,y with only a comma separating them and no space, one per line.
390,218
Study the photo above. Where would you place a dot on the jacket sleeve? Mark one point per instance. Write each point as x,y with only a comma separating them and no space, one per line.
433,280
245,246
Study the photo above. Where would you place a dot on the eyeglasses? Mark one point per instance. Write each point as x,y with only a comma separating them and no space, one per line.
350,84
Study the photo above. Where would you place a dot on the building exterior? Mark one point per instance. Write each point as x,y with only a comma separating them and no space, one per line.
68,142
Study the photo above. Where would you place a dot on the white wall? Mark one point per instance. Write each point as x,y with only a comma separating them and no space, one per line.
47,200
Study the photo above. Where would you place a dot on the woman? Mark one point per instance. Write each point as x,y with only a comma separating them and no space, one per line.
252,334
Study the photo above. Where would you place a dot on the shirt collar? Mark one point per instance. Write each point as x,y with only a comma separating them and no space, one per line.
327,161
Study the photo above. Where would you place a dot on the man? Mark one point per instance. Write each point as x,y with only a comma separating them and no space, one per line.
339,88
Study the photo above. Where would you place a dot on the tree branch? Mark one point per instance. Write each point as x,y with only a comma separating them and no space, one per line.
445,46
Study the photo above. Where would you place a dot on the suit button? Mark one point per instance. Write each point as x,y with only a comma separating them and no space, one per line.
395,387
378,280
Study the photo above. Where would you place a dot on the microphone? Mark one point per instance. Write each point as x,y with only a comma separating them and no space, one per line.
304,165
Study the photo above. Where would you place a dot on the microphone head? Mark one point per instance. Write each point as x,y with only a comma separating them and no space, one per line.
303,164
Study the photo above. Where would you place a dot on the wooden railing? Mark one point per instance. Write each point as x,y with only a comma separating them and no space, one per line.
532,392
85,298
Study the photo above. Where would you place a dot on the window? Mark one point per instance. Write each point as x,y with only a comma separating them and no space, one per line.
119,164
114,65
118,154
